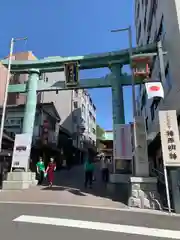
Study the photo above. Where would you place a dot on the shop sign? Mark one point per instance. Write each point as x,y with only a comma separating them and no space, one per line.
169,138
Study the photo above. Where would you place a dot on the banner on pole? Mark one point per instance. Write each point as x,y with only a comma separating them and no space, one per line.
154,89
122,142
169,138
21,152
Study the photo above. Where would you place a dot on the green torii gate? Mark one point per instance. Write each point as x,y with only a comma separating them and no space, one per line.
116,80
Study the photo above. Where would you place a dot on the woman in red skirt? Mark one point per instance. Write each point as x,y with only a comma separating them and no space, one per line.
50,171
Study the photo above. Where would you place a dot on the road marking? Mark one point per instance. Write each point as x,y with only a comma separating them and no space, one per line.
145,231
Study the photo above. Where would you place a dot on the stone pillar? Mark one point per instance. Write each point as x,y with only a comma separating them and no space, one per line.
120,166
143,193
117,95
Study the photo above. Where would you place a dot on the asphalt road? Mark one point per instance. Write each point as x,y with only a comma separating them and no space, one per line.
111,224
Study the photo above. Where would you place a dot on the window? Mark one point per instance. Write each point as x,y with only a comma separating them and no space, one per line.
154,106
74,136
143,100
146,124
76,104
139,32
138,9
154,6
90,114
94,107
76,92
150,22
90,100
16,78
148,39
168,78
152,13
161,31
146,4
152,112
93,130
83,108
145,21
75,119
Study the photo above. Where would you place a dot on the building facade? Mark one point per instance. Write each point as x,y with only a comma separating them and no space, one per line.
77,111
14,98
157,20
46,131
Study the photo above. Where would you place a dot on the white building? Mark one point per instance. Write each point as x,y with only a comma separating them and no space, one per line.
160,20
76,109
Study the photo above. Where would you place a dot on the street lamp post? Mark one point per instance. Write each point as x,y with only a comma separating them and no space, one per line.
13,40
129,30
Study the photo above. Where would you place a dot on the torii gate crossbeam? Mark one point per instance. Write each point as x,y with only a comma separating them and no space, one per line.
116,80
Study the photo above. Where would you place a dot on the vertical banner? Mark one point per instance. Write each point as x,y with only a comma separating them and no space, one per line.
122,146
21,152
169,138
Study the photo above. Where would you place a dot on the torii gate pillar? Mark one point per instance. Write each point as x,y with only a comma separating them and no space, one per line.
30,108
120,166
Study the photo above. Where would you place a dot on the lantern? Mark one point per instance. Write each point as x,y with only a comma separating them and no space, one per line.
140,65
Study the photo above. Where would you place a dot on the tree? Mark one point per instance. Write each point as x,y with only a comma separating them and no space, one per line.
99,132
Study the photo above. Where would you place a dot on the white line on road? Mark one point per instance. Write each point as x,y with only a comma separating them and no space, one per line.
145,231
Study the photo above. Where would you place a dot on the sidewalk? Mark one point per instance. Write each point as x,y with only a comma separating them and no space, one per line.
68,189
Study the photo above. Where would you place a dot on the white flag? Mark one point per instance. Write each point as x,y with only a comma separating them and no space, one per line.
154,89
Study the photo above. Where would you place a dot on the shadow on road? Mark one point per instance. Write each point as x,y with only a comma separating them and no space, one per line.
73,181
60,188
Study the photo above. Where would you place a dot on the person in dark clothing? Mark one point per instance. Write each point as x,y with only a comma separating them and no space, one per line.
89,169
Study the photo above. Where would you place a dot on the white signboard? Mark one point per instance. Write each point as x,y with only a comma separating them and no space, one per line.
169,138
21,152
122,142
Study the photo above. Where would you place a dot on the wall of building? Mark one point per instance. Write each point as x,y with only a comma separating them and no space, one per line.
73,107
14,98
62,99
3,74
72,116
162,24
14,123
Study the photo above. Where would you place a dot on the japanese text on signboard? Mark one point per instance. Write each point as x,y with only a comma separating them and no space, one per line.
170,140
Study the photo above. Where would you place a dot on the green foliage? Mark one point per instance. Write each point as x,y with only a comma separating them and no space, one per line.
99,132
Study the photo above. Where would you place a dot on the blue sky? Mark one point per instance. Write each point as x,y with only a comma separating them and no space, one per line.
71,27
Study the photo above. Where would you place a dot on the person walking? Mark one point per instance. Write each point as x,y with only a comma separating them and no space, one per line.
50,171
105,169
40,170
89,170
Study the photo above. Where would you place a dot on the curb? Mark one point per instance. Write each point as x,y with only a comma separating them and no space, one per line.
128,209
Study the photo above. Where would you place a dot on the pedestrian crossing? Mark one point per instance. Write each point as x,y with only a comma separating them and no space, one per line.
99,226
